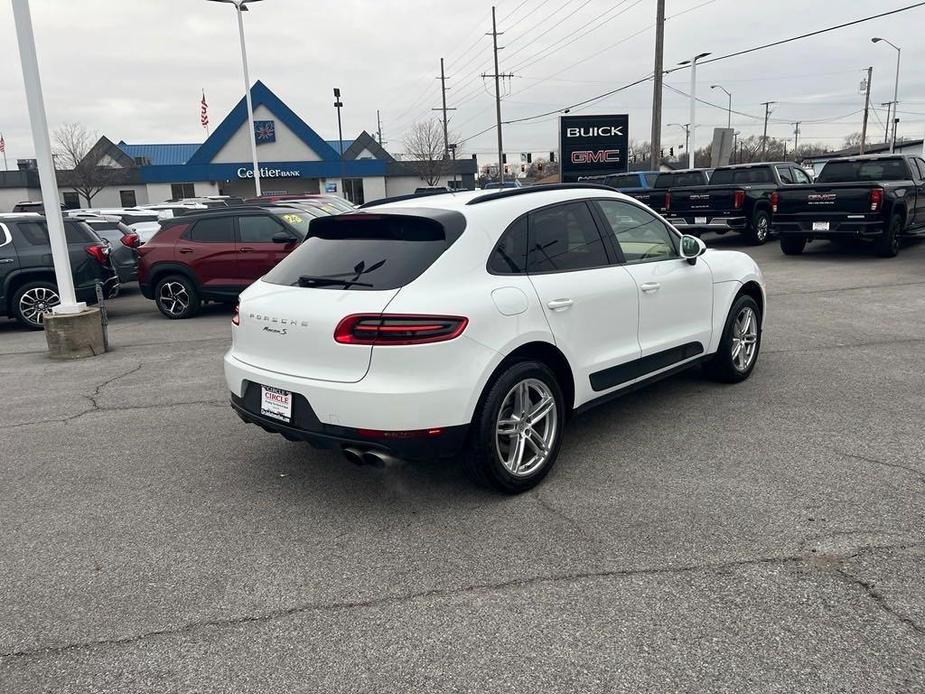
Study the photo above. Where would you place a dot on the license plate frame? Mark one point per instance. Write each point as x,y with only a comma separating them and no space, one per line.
821,226
276,403
701,220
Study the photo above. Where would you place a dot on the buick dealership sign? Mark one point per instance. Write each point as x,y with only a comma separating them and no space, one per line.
593,145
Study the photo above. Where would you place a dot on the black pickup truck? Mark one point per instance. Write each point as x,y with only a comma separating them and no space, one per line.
657,196
737,199
879,198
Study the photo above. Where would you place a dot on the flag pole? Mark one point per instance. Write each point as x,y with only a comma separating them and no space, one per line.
5,167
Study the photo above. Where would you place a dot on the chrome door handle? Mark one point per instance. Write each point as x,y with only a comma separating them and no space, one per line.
185,250
6,260
245,249
650,287
560,304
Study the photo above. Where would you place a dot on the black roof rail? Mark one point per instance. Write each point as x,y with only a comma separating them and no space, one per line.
408,196
510,192
230,209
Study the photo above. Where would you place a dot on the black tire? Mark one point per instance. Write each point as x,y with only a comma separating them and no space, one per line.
176,297
792,245
887,246
32,300
722,366
760,228
483,459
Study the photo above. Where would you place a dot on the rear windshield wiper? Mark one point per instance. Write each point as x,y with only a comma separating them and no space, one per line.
312,281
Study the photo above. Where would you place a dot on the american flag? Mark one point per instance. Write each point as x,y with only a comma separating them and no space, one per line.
2,145
204,112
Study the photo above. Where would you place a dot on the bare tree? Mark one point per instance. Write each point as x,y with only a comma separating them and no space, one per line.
425,146
852,140
73,142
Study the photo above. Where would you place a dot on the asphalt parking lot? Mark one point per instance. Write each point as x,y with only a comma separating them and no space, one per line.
768,536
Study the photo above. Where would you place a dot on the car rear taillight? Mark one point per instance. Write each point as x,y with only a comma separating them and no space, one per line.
667,201
130,240
775,199
738,200
236,315
876,199
395,329
99,253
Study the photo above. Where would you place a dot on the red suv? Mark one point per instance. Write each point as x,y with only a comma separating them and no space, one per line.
215,254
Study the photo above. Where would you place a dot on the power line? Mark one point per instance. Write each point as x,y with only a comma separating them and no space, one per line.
802,36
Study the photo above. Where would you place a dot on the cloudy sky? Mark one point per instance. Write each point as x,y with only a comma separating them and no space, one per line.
134,69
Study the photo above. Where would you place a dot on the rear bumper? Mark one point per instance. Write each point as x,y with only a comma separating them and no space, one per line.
845,228
689,223
305,426
87,293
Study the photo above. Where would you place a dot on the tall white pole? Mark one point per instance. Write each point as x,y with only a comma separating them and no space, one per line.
693,127
895,100
247,95
49,185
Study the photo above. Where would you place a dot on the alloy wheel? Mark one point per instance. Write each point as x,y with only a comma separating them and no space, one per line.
35,303
174,298
744,339
761,231
527,426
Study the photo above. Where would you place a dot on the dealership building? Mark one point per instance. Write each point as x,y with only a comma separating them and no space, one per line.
292,158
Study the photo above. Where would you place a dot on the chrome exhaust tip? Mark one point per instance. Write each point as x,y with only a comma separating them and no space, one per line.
353,455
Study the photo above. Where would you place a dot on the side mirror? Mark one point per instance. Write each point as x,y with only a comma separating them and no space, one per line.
692,248
282,237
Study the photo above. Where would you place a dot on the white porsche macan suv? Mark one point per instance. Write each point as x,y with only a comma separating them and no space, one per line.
479,322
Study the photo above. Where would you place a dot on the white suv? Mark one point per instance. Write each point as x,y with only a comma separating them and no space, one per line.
418,327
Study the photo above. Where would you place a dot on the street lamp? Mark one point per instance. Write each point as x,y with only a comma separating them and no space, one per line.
241,6
899,52
729,110
687,134
693,129
338,104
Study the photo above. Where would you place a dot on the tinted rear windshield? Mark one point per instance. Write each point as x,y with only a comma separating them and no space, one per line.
722,177
365,252
877,170
675,180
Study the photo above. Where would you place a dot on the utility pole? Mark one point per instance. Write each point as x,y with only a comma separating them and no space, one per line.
494,37
379,126
446,136
764,137
656,138
889,108
870,72
796,136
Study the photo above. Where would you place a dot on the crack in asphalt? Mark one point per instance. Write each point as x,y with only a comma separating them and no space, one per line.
880,599
808,560
917,473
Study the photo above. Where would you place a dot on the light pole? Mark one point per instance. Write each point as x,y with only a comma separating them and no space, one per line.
728,110
338,105
899,53
687,135
693,125
241,6
49,184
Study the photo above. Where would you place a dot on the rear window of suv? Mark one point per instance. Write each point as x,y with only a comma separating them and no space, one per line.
871,170
366,251
36,233
723,177
677,180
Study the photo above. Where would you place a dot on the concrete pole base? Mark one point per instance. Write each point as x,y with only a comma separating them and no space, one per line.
74,336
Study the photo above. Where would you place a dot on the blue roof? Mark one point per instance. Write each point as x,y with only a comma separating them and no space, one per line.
160,155
346,144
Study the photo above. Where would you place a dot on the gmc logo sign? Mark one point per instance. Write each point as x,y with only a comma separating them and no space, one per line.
598,131
601,155
821,197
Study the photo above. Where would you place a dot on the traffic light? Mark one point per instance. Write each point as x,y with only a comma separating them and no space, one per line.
523,168
552,156
504,158
539,167
671,151
529,158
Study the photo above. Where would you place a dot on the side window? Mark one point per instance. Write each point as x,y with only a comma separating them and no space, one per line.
920,163
640,235
800,176
218,230
564,238
36,233
509,256
785,175
258,229
77,232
